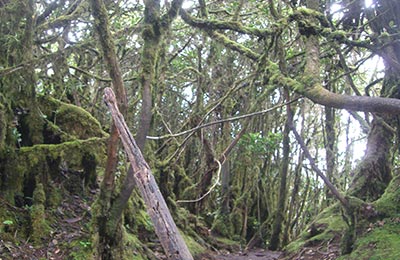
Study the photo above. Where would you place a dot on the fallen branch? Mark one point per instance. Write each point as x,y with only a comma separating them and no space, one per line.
166,230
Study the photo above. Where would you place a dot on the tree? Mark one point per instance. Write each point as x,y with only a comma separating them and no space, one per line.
264,97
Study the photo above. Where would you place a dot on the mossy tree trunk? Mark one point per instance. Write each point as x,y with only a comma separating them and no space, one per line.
375,171
18,88
109,219
279,218
32,158
110,245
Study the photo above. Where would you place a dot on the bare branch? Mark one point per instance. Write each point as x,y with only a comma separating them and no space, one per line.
223,121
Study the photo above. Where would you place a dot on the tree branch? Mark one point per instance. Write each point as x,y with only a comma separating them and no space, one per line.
235,26
223,121
314,166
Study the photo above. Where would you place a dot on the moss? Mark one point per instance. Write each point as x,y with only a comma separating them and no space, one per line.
223,226
276,77
78,122
133,248
228,242
194,247
380,243
389,203
338,35
295,246
8,225
327,225
332,218
236,220
66,122
40,228
54,196
81,249
47,161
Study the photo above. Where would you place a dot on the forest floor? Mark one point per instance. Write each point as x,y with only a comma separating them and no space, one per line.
254,254
309,253
70,238
69,235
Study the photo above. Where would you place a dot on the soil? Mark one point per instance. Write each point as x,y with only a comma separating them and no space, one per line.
70,232
308,253
254,254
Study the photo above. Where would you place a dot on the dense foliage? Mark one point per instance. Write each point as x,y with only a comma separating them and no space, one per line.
220,95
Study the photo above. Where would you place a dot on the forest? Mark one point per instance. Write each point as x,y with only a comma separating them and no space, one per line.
219,129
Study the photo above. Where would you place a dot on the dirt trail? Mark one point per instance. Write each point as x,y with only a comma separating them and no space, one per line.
254,254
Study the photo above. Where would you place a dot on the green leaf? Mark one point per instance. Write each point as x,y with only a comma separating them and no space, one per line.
8,222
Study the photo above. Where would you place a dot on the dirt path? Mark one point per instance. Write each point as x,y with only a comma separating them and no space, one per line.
254,254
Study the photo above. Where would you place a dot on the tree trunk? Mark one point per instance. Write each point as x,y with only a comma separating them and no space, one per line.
109,225
375,170
168,233
280,211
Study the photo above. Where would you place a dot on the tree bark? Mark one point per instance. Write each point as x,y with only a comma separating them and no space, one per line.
110,224
280,211
375,171
166,230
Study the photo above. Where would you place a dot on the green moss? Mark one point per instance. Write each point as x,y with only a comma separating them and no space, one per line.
328,224
40,227
45,161
78,122
227,241
54,196
236,220
295,246
8,225
380,243
331,217
194,247
223,226
68,121
308,12
133,248
389,203
81,249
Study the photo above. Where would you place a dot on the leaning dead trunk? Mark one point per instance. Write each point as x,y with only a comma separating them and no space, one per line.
172,242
